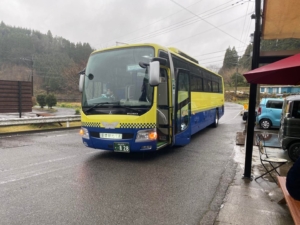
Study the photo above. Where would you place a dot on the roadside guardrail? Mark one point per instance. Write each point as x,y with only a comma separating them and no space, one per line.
39,120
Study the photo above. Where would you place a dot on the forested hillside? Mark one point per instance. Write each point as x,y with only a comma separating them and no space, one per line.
52,61
234,66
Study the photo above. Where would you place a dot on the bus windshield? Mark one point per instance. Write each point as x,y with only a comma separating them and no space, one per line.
114,78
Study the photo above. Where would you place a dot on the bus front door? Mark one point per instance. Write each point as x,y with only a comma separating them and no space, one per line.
163,124
182,108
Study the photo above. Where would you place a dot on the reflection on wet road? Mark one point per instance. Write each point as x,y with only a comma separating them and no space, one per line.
51,178
273,149
270,139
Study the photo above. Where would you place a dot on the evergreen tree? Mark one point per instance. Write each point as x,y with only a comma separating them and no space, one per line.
230,58
246,60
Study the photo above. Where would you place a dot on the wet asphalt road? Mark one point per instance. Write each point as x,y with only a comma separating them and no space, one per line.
51,178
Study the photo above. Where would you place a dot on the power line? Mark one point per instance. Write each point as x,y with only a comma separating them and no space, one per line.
208,30
218,11
164,30
249,24
150,24
216,56
206,21
161,20
208,63
245,22
215,52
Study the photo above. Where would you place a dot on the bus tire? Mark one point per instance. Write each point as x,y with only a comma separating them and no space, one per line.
216,122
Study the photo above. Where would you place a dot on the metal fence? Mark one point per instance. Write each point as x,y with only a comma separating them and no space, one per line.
39,120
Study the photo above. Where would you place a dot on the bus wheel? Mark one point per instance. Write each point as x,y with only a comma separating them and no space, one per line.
294,151
215,124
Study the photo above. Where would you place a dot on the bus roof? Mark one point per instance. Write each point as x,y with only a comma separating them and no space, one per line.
157,47
172,49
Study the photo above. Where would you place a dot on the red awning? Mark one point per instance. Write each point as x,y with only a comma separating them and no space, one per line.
285,72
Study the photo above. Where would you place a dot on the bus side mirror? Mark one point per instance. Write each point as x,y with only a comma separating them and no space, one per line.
81,80
154,73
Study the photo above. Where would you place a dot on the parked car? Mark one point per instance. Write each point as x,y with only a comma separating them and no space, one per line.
289,132
269,112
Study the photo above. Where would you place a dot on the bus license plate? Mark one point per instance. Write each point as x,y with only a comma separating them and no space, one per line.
121,147
110,135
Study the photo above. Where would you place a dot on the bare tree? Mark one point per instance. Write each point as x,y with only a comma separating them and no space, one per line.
214,68
227,74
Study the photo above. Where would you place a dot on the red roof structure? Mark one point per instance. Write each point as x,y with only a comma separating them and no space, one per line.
284,72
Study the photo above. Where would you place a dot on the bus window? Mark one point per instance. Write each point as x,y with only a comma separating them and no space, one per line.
215,87
199,84
163,76
207,85
193,83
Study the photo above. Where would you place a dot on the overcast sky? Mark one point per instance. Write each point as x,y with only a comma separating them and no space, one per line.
203,29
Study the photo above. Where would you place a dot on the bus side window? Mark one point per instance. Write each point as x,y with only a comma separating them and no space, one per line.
205,85
163,76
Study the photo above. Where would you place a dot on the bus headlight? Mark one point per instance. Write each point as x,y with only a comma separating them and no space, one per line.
146,135
84,133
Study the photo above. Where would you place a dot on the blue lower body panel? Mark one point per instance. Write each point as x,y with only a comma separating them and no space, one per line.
201,120
128,137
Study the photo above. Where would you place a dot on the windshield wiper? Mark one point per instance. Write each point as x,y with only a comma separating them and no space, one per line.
114,104
101,103
127,107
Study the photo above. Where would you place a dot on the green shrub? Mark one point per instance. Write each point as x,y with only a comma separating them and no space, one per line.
51,100
41,99
77,111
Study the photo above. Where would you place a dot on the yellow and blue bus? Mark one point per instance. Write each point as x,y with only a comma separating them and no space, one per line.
144,97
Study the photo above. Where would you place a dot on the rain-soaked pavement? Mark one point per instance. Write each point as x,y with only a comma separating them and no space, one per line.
51,178
250,202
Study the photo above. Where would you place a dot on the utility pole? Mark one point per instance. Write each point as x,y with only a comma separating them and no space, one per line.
31,61
236,74
32,76
253,92
237,70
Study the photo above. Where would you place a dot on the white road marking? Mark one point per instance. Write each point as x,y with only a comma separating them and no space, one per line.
230,119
